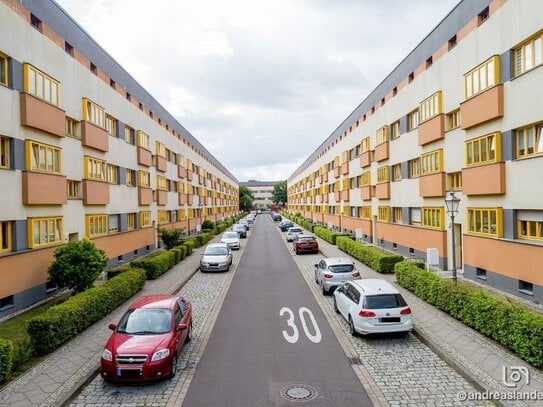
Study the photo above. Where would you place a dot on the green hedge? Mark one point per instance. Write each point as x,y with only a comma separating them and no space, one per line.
377,259
328,235
189,244
156,264
512,325
115,271
6,349
63,322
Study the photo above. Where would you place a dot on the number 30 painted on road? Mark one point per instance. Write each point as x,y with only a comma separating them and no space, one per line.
303,312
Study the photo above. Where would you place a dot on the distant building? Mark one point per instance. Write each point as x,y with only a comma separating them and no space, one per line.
262,191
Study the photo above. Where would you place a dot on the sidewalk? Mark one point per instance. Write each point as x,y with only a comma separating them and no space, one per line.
54,380
477,358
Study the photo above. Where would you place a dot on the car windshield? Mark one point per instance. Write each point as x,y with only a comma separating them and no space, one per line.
294,230
306,238
384,301
230,235
341,268
216,251
146,321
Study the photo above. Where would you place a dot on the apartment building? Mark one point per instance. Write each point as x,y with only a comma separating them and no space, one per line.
85,151
462,113
262,192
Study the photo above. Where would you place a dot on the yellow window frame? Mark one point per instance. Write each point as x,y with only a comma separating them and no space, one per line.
433,217
145,219
478,150
480,221
112,174
111,125
529,137
4,72
482,77
144,179
5,237
520,54
95,169
383,174
381,135
161,183
530,229
96,225
131,221
431,162
383,213
94,113
37,83
49,231
430,107
42,157
365,212
366,178
160,149
143,140
5,146
163,217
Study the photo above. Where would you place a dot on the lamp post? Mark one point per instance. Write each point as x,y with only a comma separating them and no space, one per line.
452,202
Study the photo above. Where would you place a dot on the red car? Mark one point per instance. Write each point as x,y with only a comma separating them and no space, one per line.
306,244
148,339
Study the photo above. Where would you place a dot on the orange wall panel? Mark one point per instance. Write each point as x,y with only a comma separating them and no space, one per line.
44,189
95,192
145,196
432,130
365,159
432,185
94,137
481,108
162,198
382,190
145,157
126,242
381,152
415,237
41,115
181,171
484,179
161,163
365,192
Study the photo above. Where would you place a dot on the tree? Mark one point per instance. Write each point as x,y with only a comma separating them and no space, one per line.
246,198
279,194
171,238
77,265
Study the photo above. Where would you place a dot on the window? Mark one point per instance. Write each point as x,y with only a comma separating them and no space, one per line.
42,157
43,231
113,221
485,221
95,169
73,189
7,302
36,22
411,77
530,225
432,162
413,120
482,77
144,179
353,211
71,127
395,129
528,54
483,150
365,145
483,16
454,181
129,135
397,213
394,93
383,174
93,69
4,152
452,42
143,140
396,172
365,212
384,213
433,218
94,113
69,49
112,83
453,120
41,85
430,107
130,177
96,225
429,62
5,236
414,168
161,149
113,174
163,217
3,70
415,216
480,273
526,287
382,135
529,141
128,96
131,221
161,183
111,125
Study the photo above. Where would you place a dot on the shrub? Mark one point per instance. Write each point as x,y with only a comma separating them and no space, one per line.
62,322
6,348
177,254
170,238
115,271
182,250
77,264
326,234
189,244
378,260
207,224
156,264
512,325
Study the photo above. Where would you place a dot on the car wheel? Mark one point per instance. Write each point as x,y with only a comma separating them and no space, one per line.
189,333
316,279
336,309
352,331
324,290
174,366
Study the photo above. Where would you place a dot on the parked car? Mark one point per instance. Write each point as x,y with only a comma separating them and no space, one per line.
277,218
148,339
293,232
244,222
305,244
372,306
240,229
250,219
231,239
334,271
285,225
216,257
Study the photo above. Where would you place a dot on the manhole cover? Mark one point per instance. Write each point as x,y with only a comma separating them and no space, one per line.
298,392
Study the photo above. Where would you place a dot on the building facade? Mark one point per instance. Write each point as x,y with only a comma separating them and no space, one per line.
262,192
462,112
85,151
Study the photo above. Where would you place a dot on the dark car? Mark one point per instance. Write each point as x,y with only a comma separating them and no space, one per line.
305,244
277,217
147,341
285,225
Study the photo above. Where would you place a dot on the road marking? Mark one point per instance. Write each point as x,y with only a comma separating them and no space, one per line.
302,312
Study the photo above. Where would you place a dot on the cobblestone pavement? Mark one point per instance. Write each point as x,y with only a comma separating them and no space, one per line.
204,291
404,369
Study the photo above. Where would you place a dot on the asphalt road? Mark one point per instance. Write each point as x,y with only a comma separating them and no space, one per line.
271,340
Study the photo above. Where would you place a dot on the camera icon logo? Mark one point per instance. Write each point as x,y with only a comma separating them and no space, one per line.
515,375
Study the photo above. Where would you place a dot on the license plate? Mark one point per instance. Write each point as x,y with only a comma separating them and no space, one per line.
390,319
128,372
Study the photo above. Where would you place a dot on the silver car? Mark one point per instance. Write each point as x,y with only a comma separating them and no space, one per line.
332,272
231,239
293,232
216,257
240,229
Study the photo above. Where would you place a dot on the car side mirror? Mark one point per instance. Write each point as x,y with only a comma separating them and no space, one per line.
181,327
112,326
316,266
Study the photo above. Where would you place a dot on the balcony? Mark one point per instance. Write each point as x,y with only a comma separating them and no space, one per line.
481,108
144,157
382,190
345,168
484,179
94,137
189,175
182,200
432,129
181,171
365,159
345,195
337,171
43,189
366,193
145,196
161,197
381,152
41,115
432,185
161,163
95,192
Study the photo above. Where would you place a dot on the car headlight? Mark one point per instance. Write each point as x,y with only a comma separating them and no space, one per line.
106,355
160,354
204,264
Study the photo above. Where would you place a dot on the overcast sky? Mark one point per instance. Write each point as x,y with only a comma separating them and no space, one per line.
260,83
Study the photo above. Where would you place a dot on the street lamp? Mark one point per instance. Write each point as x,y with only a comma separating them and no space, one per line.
452,202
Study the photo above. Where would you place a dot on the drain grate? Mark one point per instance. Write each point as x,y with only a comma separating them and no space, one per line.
298,392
